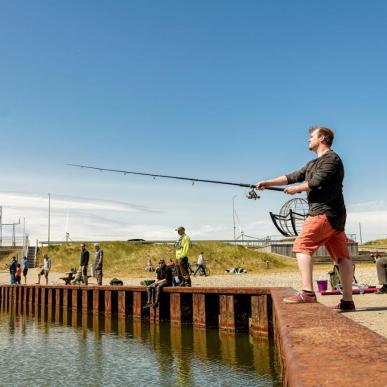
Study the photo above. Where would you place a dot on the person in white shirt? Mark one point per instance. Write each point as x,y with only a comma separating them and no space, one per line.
201,265
45,269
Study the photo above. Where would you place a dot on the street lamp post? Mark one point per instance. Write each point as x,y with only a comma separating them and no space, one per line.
233,214
49,217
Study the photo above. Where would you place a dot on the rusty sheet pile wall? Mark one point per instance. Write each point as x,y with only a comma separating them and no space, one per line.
229,309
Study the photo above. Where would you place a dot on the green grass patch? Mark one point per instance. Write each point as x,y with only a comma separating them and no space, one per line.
129,258
376,243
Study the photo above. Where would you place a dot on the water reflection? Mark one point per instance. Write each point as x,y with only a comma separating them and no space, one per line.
78,348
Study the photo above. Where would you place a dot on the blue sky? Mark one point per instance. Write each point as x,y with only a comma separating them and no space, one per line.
205,89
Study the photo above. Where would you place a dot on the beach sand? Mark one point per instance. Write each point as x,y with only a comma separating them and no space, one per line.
371,308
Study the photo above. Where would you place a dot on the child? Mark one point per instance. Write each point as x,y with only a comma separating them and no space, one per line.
25,269
18,273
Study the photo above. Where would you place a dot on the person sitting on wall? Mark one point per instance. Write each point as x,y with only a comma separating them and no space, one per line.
175,278
164,278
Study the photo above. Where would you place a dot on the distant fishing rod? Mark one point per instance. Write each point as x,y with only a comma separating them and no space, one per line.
250,195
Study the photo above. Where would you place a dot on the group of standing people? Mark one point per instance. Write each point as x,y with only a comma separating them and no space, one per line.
16,271
96,268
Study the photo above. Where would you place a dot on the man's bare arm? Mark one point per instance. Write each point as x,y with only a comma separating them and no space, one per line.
304,187
281,180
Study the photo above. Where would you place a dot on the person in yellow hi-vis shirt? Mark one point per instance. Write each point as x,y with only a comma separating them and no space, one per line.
182,248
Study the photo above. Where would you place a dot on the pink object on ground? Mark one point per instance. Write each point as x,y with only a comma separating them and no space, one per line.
354,291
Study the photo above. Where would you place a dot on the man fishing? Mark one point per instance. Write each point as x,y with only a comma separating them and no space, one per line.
322,179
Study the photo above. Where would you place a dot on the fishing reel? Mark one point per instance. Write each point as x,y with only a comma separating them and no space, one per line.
252,195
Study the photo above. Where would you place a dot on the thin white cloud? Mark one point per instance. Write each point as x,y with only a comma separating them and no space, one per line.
373,223
207,229
28,200
376,205
86,218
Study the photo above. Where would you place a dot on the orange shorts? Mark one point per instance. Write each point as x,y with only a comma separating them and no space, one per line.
318,231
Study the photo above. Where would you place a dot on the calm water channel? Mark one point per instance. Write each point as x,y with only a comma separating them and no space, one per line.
41,347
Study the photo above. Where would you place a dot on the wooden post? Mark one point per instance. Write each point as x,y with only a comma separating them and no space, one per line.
121,325
121,303
95,300
42,311
137,327
199,310
137,305
49,314
84,323
31,295
108,302
200,342
49,297
25,294
37,294
65,316
175,309
65,298
6,293
259,315
108,323
227,313
74,317
36,305
74,299
14,293
57,297
43,295
84,300
57,314
21,288
96,324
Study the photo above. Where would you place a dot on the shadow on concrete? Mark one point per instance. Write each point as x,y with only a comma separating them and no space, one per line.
372,309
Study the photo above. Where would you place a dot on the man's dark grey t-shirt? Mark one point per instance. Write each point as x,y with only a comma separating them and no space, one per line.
325,178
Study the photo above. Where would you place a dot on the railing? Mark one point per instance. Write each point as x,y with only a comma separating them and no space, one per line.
26,245
247,241
9,241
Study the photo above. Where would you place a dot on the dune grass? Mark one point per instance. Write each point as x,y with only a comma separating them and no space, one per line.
376,243
129,258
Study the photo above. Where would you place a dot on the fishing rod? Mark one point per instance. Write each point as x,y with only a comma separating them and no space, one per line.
252,194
